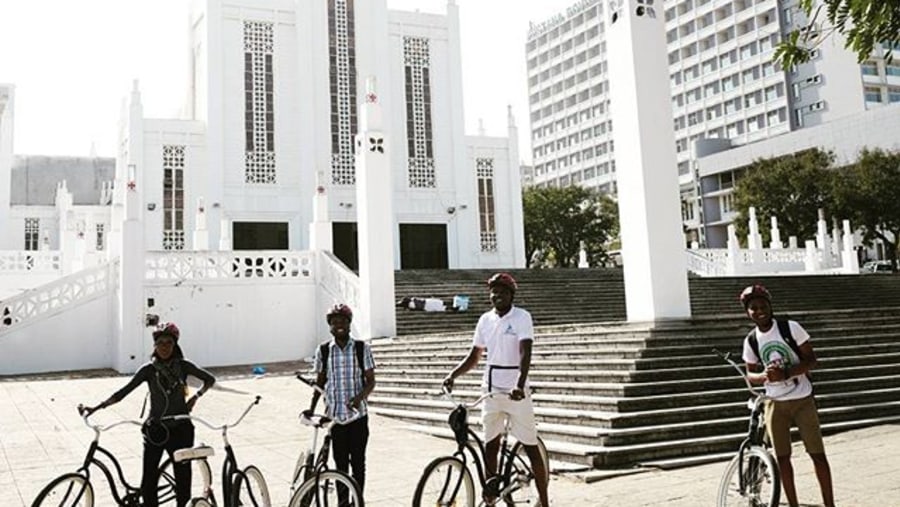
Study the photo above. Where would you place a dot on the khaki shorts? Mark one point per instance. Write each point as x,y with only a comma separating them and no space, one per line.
781,415
520,414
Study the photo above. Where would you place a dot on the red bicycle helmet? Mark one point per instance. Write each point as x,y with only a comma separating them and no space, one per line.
504,279
754,291
339,309
167,328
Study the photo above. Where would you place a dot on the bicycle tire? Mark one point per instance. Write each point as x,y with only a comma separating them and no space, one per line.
524,493
250,489
321,490
302,470
67,490
166,487
445,482
763,482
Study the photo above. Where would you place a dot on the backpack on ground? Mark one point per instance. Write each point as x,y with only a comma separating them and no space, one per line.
360,349
784,329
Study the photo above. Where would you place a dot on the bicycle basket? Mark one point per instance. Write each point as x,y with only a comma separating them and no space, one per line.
459,424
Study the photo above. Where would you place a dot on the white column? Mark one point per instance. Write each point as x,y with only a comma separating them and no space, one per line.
130,325
848,255
582,257
733,261
224,234
653,245
823,241
754,239
321,234
775,243
811,263
375,215
7,99
201,234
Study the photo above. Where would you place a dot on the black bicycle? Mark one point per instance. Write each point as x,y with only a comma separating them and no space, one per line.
447,480
76,490
314,484
240,487
752,477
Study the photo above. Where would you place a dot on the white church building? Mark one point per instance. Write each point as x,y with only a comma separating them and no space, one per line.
227,214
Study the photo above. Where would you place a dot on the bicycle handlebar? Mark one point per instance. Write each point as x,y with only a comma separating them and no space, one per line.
355,413
211,426
727,357
446,393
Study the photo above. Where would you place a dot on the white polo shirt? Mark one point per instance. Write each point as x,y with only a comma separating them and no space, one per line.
501,337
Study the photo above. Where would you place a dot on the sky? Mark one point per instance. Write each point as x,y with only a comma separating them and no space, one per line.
73,63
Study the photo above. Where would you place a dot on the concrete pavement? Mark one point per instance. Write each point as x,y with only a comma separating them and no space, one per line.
41,436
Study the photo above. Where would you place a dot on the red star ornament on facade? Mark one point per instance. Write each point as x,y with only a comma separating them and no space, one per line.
371,98
132,185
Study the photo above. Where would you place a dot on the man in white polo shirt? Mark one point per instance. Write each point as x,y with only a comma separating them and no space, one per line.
507,333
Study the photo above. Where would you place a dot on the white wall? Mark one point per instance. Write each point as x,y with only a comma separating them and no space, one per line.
240,323
7,103
77,338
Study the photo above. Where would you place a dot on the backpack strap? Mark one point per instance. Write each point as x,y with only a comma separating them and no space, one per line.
360,349
784,329
754,344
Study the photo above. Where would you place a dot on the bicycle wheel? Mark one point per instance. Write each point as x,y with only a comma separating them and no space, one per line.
302,470
166,487
761,483
446,482
200,502
250,489
331,488
69,490
521,476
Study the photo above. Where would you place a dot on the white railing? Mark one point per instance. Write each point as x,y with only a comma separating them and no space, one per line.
53,297
251,266
706,262
14,262
337,280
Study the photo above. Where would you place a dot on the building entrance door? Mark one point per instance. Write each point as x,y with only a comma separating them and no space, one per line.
423,246
259,235
344,241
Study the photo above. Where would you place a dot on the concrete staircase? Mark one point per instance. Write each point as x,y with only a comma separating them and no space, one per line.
615,395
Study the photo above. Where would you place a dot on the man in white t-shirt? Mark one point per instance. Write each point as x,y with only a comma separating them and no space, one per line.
507,333
788,387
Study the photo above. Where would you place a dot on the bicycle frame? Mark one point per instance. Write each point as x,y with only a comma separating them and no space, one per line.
756,424
229,464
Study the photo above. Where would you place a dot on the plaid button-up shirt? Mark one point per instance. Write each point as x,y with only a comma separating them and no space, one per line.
344,378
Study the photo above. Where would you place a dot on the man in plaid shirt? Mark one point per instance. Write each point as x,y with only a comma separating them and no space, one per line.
347,384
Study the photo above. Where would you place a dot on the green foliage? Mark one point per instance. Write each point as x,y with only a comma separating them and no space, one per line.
866,193
792,188
863,23
557,220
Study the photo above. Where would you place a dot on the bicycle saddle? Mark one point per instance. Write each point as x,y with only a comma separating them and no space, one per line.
191,453
459,424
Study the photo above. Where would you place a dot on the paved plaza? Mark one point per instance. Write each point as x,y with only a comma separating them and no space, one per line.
41,436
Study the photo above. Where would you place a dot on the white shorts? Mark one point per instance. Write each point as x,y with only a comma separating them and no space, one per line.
520,414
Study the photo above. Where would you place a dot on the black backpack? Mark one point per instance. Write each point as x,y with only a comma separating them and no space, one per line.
360,349
784,329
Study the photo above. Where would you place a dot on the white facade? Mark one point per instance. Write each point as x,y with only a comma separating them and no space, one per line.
273,104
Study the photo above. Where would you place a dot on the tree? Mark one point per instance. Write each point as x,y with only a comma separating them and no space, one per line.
557,220
863,23
866,194
792,188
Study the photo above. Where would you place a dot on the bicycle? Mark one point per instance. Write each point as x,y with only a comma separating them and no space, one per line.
752,477
245,487
313,483
447,480
75,489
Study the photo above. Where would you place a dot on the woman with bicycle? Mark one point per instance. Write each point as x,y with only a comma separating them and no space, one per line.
783,350
166,377
507,332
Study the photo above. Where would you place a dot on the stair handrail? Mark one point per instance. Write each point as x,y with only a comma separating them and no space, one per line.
51,298
337,281
709,262
168,266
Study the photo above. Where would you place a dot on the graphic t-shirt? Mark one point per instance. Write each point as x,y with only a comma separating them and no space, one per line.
775,351
501,337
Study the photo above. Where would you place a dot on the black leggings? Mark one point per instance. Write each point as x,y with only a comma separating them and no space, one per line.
348,447
180,436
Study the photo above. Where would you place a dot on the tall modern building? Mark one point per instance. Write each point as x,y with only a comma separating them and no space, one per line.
726,91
